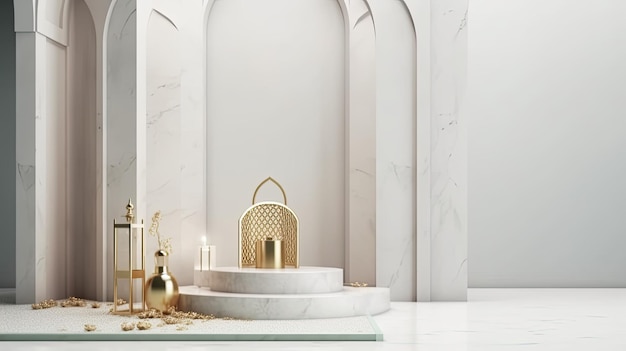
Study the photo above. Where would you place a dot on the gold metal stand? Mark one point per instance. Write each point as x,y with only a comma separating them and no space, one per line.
136,268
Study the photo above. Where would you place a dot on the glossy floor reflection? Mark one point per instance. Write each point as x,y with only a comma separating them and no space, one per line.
493,319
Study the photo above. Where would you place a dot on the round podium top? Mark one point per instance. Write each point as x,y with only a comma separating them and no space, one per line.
303,280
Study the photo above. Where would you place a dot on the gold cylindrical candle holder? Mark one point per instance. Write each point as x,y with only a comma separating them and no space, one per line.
270,253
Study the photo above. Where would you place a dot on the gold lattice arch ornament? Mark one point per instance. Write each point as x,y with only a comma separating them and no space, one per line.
269,219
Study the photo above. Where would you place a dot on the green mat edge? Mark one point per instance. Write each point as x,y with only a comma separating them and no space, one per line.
188,337
122,336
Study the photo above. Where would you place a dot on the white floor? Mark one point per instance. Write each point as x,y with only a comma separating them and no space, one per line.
493,319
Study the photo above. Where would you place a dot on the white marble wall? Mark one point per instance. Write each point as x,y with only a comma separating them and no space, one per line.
557,173
421,175
164,137
175,128
448,143
193,200
441,148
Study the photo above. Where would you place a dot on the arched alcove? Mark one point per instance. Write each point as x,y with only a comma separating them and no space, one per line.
120,121
81,146
378,136
360,233
275,106
396,177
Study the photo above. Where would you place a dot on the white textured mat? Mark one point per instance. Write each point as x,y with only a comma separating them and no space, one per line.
21,322
7,296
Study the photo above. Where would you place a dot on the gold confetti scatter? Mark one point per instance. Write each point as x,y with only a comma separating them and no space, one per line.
44,304
143,325
127,326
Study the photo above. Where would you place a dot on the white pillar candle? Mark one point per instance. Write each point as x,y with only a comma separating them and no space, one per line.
207,256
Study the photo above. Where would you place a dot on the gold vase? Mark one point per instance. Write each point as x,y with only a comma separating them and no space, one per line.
161,291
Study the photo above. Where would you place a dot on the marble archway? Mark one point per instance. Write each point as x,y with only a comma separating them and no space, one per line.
275,106
56,151
440,170
377,177
372,229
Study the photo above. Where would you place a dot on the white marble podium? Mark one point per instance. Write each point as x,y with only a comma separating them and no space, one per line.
303,293
304,280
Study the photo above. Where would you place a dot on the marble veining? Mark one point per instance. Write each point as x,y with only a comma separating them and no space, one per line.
448,167
27,175
463,24
406,255
119,169
395,148
154,119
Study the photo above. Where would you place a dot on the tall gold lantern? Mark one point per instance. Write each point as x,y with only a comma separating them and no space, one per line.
129,262
269,234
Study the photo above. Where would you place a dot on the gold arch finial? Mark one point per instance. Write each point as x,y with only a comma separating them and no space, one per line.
129,211
273,181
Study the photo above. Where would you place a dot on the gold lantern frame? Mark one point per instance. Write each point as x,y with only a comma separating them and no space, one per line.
131,274
269,220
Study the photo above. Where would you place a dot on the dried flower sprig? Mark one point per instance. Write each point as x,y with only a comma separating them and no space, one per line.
164,244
